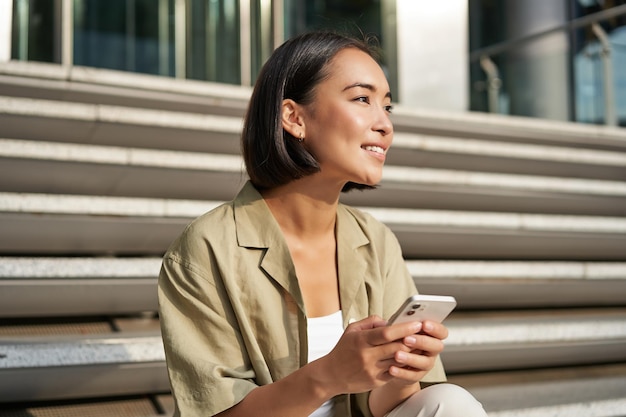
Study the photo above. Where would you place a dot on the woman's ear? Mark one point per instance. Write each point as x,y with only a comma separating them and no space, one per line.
291,116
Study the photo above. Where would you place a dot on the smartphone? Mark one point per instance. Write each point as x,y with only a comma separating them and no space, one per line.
424,307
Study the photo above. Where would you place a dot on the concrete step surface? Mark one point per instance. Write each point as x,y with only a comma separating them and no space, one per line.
84,286
34,223
30,363
37,167
101,86
48,120
505,128
584,391
521,219
37,119
434,151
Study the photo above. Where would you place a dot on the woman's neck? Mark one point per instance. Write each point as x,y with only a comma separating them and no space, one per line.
302,208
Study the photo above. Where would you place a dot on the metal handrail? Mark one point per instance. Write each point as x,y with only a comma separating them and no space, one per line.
573,24
483,55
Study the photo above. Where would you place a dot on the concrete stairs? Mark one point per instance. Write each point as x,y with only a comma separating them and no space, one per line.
524,221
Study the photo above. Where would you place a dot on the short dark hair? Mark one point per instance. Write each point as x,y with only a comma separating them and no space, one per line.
273,157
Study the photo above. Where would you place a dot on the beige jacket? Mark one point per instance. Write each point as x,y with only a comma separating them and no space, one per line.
231,311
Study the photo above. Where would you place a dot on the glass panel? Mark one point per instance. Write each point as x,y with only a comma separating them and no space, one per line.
565,74
589,60
128,35
35,33
261,30
355,17
213,41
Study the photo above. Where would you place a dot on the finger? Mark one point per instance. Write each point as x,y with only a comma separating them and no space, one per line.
435,329
424,344
414,361
410,375
387,334
367,323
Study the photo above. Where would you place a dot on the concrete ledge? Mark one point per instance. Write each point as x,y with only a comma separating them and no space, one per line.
44,287
422,150
48,286
95,85
109,349
523,284
126,406
594,391
614,407
20,268
395,217
33,166
37,119
508,128
82,382
500,340
57,224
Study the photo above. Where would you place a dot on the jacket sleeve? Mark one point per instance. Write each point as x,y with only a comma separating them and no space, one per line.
207,362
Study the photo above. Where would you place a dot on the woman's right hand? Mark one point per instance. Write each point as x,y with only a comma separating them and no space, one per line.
361,359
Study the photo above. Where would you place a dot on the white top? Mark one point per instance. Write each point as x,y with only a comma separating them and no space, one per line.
323,334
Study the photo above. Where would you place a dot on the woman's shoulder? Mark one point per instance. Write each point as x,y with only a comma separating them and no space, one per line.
219,221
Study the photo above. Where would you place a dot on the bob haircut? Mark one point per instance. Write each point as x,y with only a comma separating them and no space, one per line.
273,157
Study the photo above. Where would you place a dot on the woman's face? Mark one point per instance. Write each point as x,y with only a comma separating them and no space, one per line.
347,126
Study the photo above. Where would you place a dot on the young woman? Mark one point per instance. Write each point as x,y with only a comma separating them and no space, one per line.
273,304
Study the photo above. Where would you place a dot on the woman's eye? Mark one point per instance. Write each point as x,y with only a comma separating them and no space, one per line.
363,99
388,108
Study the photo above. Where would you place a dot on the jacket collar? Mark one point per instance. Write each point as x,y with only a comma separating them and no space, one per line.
257,228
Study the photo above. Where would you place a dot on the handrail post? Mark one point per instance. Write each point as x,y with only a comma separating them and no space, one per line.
610,116
494,83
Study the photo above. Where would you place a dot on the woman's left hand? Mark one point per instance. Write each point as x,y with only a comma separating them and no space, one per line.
410,367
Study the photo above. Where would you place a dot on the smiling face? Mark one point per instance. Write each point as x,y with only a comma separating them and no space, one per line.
346,126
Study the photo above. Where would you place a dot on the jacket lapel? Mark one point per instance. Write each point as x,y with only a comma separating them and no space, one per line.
257,229
351,259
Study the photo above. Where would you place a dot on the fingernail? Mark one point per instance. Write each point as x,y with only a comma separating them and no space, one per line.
417,326
428,326
410,340
401,356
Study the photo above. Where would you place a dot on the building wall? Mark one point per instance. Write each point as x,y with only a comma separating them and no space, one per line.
433,54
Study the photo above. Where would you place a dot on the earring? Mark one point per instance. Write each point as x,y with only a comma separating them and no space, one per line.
301,138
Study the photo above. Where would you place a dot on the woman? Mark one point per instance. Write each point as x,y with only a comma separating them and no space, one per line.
272,304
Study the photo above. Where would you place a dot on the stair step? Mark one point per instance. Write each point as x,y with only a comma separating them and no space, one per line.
502,340
596,391
57,224
438,233
36,119
101,86
59,121
436,151
29,366
48,286
523,284
506,128
92,85
127,406
34,166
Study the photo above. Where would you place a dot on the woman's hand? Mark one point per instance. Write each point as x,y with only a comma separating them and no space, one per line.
409,367
369,350
424,348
